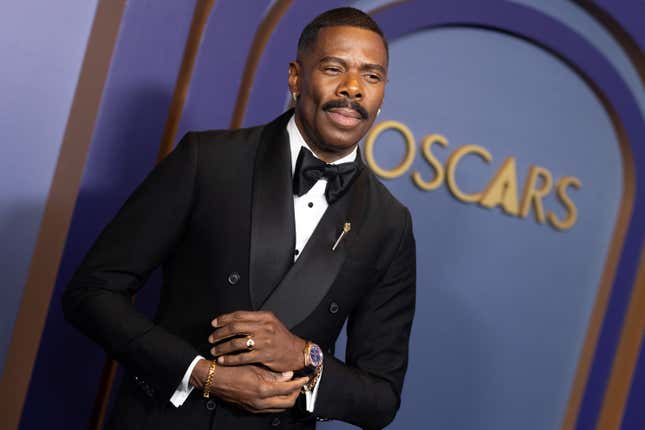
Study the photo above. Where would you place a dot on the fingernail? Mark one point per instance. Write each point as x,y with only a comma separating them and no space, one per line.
214,322
220,360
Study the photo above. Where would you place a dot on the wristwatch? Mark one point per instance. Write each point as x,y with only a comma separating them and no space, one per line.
313,357
313,365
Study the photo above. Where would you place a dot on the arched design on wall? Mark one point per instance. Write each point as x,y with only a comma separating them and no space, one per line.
588,389
404,17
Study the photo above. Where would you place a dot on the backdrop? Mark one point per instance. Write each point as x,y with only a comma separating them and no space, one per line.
513,132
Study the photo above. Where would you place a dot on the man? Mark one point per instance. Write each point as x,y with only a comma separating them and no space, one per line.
261,270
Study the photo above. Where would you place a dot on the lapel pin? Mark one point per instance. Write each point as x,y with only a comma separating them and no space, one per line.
346,228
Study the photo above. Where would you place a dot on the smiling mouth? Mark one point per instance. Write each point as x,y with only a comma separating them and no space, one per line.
344,117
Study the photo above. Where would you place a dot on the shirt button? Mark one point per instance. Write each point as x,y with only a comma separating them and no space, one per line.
275,422
310,204
233,278
296,252
211,405
333,308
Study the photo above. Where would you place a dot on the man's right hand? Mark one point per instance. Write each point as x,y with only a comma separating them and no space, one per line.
254,388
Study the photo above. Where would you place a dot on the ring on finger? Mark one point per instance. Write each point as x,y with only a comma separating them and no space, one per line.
250,343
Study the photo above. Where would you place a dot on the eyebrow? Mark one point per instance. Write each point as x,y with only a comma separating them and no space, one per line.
365,66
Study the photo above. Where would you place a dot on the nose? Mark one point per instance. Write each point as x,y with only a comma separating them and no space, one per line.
350,87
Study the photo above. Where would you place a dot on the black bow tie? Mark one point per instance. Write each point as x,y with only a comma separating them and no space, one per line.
310,170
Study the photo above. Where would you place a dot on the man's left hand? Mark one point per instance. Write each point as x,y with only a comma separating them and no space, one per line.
273,345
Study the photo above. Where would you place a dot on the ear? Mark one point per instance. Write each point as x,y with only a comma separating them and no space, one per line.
295,70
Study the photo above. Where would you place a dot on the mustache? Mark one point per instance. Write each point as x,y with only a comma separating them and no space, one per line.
346,104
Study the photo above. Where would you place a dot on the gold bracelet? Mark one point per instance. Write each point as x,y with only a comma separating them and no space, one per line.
305,353
209,379
313,380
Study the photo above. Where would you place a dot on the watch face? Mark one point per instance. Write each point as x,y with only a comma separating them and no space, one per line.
315,355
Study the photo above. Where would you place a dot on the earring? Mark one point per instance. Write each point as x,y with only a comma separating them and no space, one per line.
294,97
378,112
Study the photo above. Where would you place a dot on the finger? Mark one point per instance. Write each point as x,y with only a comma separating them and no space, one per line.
253,407
284,388
224,319
272,376
250,357
278,402
233,329
232,345
291,398
286,400
285,376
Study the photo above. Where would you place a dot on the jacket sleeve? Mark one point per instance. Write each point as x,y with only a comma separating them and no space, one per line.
366,389
98,299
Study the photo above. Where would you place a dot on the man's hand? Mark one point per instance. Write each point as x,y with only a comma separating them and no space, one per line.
253,388
273,344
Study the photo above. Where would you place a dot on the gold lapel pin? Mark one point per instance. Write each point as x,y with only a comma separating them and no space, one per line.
346,228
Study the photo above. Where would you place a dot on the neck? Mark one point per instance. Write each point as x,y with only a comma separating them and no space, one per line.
326,154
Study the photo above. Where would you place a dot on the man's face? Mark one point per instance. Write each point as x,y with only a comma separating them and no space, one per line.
340,85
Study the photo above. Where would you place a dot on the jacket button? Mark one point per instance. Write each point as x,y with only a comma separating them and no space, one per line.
275,422
233,278
333,308
211,405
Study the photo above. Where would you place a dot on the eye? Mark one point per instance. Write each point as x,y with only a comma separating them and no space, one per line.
332,70
373,78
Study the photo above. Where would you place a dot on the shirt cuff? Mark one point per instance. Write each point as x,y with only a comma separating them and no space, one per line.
184,388
310,396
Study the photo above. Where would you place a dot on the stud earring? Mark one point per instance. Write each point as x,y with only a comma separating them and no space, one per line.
378,112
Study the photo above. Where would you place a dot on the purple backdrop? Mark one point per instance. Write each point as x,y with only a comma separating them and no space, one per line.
133,112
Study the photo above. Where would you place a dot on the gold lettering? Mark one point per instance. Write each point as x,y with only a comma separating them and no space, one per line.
533,195
561,192
451,166
502,189
409,153
432,161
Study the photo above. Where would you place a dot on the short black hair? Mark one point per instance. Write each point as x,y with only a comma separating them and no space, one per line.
342,16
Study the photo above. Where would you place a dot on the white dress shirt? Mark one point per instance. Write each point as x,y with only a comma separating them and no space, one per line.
308,210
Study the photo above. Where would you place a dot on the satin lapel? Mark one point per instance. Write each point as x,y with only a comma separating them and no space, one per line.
312,275
272,225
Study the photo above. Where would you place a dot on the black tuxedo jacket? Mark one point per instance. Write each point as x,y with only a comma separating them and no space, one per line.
217,215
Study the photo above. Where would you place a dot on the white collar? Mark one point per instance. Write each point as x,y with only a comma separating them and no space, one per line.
296,141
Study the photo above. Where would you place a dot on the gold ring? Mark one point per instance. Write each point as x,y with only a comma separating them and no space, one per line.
250,343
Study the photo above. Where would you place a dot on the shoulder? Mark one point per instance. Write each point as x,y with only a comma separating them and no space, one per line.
213,139
224,147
